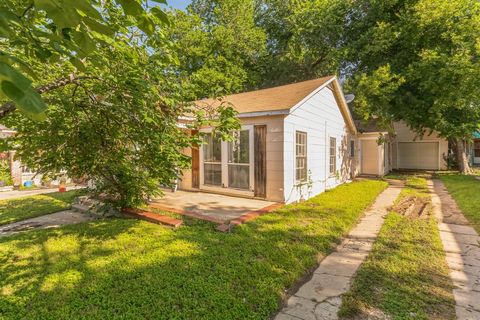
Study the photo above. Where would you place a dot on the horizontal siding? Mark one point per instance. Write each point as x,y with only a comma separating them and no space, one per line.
320,118
274,155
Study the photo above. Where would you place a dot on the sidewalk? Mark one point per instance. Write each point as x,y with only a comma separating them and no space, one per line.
52,220
320,297
25,193
462,247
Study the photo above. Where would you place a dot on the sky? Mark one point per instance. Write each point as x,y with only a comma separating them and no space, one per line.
178,4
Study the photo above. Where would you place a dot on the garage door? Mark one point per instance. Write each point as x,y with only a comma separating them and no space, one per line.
418,155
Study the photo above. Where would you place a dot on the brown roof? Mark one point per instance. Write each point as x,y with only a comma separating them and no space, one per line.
271,99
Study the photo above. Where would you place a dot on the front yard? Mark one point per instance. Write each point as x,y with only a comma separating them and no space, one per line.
12,210
466,192
132,269
406,275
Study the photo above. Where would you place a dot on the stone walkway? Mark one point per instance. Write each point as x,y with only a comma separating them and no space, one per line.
462,246
47,221
320,297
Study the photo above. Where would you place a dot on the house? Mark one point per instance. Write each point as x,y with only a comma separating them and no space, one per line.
20,174
297,141
400,150
475,150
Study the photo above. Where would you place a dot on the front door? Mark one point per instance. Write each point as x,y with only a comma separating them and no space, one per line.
260,137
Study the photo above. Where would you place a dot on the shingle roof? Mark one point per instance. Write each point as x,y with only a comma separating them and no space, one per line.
271,99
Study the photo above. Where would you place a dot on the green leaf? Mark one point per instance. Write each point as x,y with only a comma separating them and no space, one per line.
131,7
162,16
62,15
97,26
7,18
84,41
87,9
146,24
16,87
77,63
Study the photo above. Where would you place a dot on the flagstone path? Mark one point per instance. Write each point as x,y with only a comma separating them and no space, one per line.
462,246
320,297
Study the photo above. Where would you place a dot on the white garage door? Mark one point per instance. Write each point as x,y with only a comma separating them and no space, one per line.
418,155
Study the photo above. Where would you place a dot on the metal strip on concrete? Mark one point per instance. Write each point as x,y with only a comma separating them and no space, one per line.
462,247
320,297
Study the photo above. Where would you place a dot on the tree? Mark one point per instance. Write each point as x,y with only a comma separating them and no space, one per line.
115,122
218,45
304,38
417,61
55,30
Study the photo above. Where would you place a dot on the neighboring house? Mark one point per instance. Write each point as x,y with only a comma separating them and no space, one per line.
19,172
297,141
475,150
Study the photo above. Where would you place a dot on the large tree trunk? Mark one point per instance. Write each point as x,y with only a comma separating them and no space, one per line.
462,157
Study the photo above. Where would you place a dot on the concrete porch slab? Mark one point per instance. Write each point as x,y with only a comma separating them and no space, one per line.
213,207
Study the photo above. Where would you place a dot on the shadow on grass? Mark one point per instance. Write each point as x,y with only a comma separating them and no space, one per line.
131,269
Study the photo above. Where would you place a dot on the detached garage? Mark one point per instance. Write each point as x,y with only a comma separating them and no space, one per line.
419,155
412,152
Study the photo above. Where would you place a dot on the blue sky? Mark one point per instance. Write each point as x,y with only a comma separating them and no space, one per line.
178,4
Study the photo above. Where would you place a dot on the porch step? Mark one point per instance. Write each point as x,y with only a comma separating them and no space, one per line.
152,217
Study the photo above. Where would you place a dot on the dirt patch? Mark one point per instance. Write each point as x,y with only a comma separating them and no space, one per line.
371,314
413,207
451,213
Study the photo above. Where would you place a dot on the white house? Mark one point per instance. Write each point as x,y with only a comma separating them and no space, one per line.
298,140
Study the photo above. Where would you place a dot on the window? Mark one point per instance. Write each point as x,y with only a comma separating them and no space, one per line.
212,160
476,148
352,148
239,161
301,156
333,156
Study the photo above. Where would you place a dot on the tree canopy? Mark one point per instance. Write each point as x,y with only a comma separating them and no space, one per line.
49,31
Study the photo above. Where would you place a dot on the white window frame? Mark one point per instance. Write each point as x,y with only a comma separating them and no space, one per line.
224,151
306,156
334,157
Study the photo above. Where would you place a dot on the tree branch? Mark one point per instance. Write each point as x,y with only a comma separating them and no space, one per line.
9,107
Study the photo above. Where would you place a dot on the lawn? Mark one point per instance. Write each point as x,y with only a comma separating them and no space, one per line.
405,276
129,269
466,192
12,210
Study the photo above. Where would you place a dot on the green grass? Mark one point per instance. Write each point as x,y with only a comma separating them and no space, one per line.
12,210
129,269
405,276
466,192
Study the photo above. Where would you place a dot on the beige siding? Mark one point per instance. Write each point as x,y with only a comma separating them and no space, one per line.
274,153
186,180
274,157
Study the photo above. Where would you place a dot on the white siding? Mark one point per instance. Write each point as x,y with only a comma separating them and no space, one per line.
320,117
